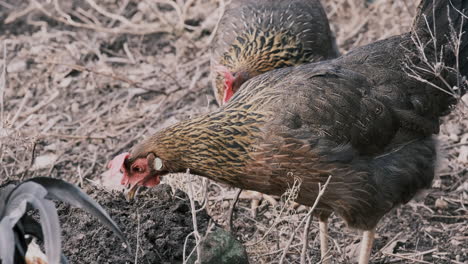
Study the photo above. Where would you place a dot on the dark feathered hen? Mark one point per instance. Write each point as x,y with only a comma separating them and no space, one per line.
256,36
360,119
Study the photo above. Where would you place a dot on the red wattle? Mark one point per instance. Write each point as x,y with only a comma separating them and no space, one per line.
228,81
228,93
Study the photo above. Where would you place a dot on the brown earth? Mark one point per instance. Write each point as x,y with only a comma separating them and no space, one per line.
157,224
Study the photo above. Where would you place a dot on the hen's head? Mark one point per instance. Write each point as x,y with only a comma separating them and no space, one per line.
137,170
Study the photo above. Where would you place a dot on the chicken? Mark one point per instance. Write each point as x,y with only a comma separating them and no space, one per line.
16,225
254,37
361,119
257,36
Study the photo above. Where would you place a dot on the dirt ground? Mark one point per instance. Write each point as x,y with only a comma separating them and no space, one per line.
82,81
162,221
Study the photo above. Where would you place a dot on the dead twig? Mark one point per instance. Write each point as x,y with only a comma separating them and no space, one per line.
41,105
231,209
138,237
406,258
320,194
134,29
305,238
55,135
106,74
3,84
291,194
196,234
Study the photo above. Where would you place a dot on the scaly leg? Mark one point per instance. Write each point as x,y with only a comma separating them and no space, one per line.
366,246
256,198
324,251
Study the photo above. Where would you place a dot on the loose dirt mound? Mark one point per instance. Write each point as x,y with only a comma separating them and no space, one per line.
156,225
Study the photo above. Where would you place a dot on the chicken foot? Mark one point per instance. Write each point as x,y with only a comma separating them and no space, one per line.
256,198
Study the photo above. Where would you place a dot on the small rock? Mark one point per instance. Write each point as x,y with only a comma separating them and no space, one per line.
51,147
463,156
455,242
465,98
226,204
437,184
440,203
65,82
143,6
75,107
220,246
137,18
453,129
463,187
44,161
17,65
301,208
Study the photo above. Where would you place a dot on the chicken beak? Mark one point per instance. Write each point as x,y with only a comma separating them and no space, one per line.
131,192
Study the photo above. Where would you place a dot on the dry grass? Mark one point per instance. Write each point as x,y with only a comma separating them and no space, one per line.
83,81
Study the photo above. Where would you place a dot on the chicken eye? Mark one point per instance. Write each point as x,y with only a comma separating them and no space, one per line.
137,169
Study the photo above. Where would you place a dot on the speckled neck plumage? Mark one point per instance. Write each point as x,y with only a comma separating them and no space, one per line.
255,37
261,50
214,145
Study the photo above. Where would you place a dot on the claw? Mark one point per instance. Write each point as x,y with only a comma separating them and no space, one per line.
256,198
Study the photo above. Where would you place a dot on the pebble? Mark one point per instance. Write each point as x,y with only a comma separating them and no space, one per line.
440,203
16,65
44,161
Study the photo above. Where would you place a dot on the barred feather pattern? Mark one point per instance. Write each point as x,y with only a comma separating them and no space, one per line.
258,36
353,118
247,144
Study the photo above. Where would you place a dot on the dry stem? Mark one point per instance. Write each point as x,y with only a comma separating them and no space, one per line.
309,214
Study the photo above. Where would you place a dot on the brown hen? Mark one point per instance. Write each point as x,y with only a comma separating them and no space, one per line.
359,119
257,36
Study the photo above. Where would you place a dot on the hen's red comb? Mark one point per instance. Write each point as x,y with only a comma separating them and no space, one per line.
116,166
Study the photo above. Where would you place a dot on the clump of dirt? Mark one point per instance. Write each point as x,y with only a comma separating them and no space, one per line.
156,225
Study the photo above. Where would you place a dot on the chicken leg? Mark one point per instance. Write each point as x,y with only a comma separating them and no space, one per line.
256,198
366,246
323,232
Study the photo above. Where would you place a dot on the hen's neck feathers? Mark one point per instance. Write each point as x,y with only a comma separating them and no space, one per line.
215,145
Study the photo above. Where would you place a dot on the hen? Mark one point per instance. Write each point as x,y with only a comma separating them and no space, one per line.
360,119
256,36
